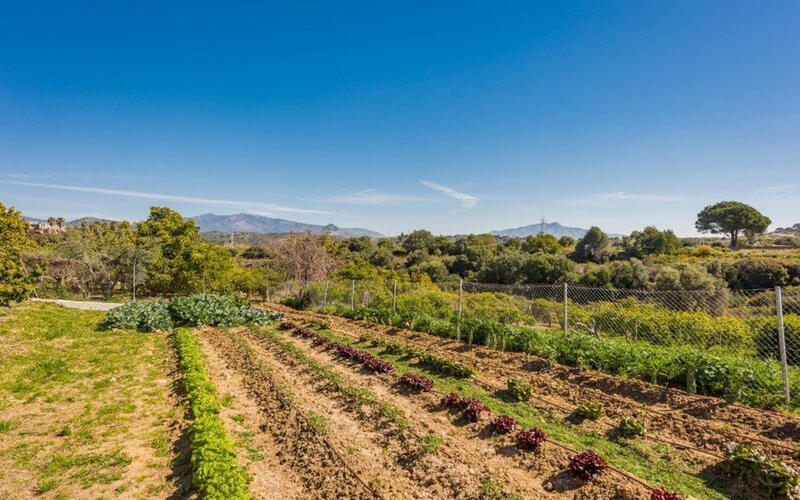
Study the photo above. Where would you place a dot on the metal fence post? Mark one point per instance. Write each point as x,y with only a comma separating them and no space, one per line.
566,296
352,294
325,296
394,298
458,322
782,343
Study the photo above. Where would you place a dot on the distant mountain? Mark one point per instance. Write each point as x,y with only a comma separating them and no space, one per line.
249,223
75,222
553,228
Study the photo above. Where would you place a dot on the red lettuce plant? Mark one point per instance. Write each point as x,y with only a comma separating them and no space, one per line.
378,365
416,382
587,464
530,440
452,400
663,494
287,325
503,424
473,410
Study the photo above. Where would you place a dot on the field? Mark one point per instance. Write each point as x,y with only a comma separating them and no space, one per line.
327,407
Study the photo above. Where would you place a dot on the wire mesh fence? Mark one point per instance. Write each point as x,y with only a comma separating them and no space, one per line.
738,332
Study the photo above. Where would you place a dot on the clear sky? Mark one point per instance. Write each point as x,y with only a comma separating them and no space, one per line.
451,116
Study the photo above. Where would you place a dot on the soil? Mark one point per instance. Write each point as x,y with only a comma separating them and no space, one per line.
468,454
701,425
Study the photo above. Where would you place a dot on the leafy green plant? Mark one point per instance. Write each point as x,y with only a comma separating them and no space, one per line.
591,410
143,316
430,443
630,427
769,477
215,471
519,389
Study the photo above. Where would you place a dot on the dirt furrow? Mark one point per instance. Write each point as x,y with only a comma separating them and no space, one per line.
298,447
242,418
386,457
537,474
680,420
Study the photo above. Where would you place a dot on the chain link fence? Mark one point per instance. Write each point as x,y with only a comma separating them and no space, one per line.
751,335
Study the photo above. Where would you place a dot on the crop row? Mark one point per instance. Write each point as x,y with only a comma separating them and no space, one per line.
215,471
712,372
439,364
584,465
194,310
767,476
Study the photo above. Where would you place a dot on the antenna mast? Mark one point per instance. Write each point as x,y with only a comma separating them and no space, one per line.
542,222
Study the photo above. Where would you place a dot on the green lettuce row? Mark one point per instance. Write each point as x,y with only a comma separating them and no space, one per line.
215,471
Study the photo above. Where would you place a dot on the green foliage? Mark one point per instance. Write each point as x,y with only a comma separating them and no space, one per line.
16,283
591,410
519,389
592,247
430,443
143,316
731,218
767,337
630,427
215,471
216,310
767,476
651,241
194,310
542,242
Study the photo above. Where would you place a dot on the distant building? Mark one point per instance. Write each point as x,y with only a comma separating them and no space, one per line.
35,227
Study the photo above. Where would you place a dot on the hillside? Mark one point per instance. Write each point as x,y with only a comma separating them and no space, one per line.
249,223
553,228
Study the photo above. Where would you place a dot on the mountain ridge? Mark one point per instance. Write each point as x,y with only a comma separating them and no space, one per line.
251,223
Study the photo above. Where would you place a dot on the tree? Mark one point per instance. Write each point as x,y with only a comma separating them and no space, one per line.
419,240
504,268
566,241
651,241
593,247
731,218
304,257
16,283
546,268
542,242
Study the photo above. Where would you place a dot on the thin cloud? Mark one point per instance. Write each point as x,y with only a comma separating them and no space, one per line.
373,197
467,200
252,205
620,198
778,189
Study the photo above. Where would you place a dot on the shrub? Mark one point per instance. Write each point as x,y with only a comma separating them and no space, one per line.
416,382
530,440
587,464
503,424
592,410
519,389
766,339
769,477
143,316
630,427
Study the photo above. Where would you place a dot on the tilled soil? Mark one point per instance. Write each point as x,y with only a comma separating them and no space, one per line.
471,448
314,463
701,425
271,478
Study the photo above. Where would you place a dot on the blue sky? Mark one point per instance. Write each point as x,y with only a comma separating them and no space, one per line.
451,116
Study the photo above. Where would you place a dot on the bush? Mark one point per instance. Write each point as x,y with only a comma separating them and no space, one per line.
769,477
143,316
766,339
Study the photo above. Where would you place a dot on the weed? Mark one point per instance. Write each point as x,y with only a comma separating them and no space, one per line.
318,423
430,443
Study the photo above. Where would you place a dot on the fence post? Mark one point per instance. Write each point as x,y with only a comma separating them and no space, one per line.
458,322
352,294
566,296
782,344
267,292
325,297
394,298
